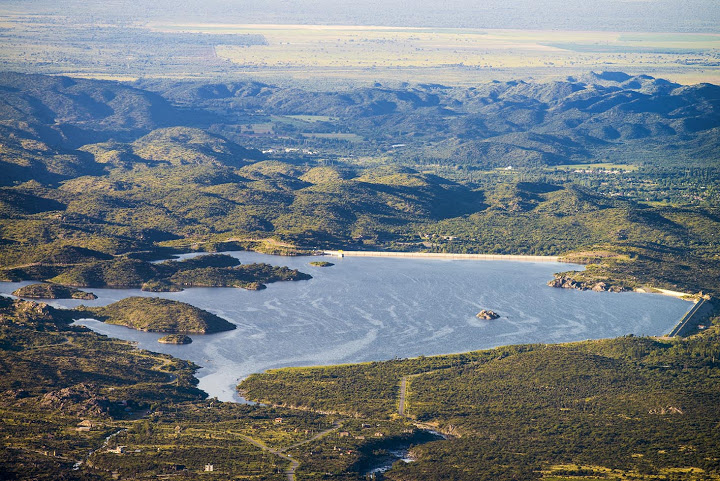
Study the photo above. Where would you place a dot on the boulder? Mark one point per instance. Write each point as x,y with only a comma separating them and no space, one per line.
487,314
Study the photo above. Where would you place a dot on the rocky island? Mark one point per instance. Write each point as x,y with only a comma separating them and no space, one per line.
487,314
321,264
52,291
175,339
160,315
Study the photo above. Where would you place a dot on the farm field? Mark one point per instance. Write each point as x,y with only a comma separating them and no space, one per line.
343,55
462,56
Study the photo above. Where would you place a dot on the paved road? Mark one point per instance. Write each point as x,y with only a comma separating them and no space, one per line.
403,390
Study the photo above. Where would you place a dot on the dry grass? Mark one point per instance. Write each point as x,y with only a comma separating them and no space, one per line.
336,55
461,56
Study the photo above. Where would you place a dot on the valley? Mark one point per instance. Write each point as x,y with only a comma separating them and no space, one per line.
555,171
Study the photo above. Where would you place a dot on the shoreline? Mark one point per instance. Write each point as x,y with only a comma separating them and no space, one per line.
211,384
443,255
684,296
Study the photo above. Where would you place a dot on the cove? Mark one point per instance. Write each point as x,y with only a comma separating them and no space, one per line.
369,309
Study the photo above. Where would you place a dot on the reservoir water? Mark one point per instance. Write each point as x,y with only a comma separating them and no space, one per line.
364,309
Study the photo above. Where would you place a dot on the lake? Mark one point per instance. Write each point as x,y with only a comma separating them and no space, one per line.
365,309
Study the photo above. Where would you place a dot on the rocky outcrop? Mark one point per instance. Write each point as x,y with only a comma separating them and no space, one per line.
322,264
487,314
567,282
53,291
36,314
79,399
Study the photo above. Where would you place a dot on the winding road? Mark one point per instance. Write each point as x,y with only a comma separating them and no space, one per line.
290,470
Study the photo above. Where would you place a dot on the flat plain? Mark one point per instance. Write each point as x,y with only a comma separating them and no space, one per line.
327,54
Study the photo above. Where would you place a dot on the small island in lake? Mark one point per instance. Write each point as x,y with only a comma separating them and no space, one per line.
160,315
175,339
487,314
52,291
321,264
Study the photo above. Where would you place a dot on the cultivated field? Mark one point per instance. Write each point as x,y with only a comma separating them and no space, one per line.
456,56
342,55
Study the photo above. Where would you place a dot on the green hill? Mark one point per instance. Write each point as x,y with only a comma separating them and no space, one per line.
606,161
115,273
161,315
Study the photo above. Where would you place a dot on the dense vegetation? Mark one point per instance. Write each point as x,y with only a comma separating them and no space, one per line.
160,315
627,408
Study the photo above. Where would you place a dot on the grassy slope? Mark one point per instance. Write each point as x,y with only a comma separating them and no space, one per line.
161,315
640,406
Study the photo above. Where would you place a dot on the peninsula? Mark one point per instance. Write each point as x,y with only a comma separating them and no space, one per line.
52,291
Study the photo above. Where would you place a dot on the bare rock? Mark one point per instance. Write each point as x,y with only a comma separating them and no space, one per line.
487,314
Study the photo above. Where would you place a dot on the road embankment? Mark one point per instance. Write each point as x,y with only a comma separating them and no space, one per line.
442,255
700,312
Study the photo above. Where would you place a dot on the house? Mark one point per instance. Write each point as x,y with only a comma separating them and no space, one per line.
209,468
85,425
118,450
278,420
343,434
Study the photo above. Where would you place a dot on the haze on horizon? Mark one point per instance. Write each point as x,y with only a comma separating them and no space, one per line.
579,15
